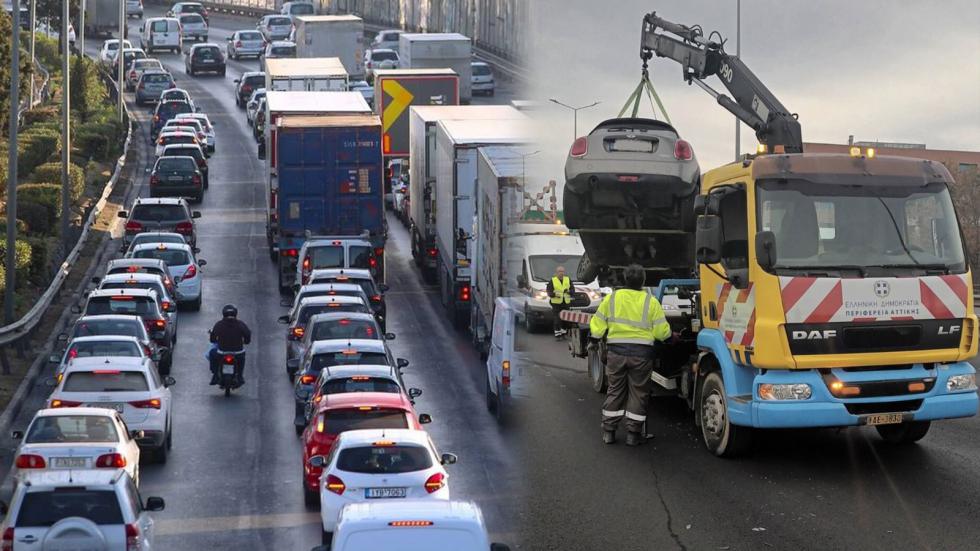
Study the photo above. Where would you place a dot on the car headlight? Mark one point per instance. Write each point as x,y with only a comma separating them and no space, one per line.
958,383
592,294
540,295
794,391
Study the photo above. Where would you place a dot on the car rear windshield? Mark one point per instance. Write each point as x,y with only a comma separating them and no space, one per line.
327,256
158,287
384,459
157,78
307,312
206,53
124,305
384,56
193,8
367,285
301,9
168,110
330,359
344,329
179,138
128,328
156,238
71,429
105,381
280,21
360,384
159,213
40,509
192,18
182,152
360,256
338,421
176,164
284,50
255,80
87,349
250,35
159,26
172,257
131,269
481,70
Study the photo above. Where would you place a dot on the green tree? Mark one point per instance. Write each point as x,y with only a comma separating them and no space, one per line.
6,31
50,10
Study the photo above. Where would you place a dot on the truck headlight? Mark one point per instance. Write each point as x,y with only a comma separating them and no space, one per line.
541,295
958,383
795,391
592,294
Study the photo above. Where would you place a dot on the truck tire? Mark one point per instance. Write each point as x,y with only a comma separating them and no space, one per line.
597,371
903,433
572,210
491,398
720,436
587,271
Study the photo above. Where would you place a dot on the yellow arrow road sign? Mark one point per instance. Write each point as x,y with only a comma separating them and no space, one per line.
400,100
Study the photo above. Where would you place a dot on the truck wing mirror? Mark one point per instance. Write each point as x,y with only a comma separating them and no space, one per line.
521,281
708,239
765,249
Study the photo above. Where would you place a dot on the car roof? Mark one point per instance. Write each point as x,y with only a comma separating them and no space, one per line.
650,124
122,292
333,316
384,511
61,412
336,345
143,262
282,42
356,399
204,45
135,276
329,287
350,438
353,273
188,157
376,50
372,370
151,72
330,299
102,338
179,146
108,317
43,480
165,233
161,201
123,363
165,246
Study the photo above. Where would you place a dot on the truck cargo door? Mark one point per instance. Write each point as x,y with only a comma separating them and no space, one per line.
357,177
465,205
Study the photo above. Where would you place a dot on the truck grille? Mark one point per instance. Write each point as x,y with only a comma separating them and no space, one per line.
883,407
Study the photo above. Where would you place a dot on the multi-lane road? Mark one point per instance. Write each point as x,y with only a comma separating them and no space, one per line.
233,479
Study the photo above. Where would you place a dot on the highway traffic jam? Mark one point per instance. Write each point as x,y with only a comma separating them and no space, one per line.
368,470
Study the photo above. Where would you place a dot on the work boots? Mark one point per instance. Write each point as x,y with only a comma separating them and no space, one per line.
608,437
635,439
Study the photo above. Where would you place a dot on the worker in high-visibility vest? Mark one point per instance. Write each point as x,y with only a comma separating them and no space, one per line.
630,319
560,291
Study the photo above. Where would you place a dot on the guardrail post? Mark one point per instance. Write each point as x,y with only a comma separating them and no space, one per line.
4,363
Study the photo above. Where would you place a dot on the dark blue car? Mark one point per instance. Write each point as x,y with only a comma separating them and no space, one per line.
165,111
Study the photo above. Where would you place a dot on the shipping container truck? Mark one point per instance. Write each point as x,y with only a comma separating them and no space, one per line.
101,17
439,50
332,36
422,171
324,167
457,148
316,74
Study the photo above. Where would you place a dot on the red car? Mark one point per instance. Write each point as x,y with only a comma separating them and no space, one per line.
352,411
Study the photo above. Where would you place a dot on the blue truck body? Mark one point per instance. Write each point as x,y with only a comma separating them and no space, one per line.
327,180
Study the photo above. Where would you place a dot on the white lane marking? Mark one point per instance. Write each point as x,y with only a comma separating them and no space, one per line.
174,527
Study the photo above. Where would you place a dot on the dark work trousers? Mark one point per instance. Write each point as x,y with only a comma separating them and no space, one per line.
556,310
628,379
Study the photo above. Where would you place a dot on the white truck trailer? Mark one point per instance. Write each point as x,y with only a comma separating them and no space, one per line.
439,50
332,36
315,74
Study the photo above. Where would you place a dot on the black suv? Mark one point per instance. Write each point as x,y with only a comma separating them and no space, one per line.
189,150
204,58
176,177
246,85
165,111
163,214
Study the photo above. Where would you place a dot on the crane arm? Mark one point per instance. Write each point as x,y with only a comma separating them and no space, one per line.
753,103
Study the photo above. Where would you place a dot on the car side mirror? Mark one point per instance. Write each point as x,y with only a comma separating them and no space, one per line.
449,459
318,461
414,393
499,547
155,356
708,239
3,507
401,362
54,358
765,249
196,250
169,381
283,319
137,434
123,214
201,262
389,336
425,418
17,434
285,302
76,309
96,280
383,287
196,214
62,337
155,504
521,281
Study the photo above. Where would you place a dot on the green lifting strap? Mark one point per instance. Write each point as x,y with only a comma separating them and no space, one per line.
645,86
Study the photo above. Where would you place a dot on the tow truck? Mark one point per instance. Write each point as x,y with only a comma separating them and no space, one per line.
831,290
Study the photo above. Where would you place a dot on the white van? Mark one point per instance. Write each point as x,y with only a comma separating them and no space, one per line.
161,33
412,525
506,362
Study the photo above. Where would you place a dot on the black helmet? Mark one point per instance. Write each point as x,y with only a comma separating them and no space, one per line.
229,311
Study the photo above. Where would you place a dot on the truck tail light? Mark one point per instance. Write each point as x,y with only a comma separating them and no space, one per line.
505,375
435,483
335,484
134,226
464,293
30,461
683,150
110,461
580,147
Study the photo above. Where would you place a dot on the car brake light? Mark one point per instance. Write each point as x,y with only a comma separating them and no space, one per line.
335,484
30,461
464,293
156,118
152,403
160,141
297,333
110,461
64,404
238,44
154,180
375,298
291,252
306,266
683,151
133,537
7,543
410,523
373,262
379,251
73,353
134,226
435,483
580,147
307,379
196,179
505,376
191,272
433,252
184,228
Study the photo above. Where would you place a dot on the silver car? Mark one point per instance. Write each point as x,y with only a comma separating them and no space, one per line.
137,68
252,106
193,27
151,84
245,44
275,27
134,8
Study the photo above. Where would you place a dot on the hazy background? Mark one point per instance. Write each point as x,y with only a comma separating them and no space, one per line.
878,69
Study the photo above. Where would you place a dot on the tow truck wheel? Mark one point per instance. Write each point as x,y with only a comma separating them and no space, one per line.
491,398
903,433
597,371
721,437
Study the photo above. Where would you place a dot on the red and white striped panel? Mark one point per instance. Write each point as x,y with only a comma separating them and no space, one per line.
829,300
575,316
736,309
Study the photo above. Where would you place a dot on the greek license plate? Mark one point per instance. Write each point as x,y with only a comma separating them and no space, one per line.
109,405
228,369
383,493
883,419
207,61
175,178
69,462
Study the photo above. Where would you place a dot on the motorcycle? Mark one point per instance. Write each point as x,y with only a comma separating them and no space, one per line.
227,381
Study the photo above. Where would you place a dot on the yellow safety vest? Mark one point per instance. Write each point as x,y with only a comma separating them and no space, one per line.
561,290
630,317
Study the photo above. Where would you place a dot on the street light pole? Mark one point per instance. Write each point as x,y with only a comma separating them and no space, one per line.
11,256
81,27
33,35
65,130
738,53
575,111
120,57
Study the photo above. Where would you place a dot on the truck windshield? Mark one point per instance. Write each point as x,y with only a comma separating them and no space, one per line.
543,266
859,227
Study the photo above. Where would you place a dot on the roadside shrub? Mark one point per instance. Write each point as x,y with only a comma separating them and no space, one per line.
51,172
23,259
46,195
101,140
22,227
39,145
36,218
41,114
39,268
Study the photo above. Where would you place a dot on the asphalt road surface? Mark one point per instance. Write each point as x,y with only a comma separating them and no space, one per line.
233,479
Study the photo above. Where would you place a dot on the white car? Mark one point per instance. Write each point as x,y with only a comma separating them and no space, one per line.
161,33
365,90
109,49
208,128
156,237
379,464
100,346
387,38
128,385
178,94
481,78
176,135
77,438
79,509
183,265
53,31
154,282
195,124
134,8
380,58
252,106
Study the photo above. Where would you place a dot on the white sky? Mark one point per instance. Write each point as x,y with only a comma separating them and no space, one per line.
889,70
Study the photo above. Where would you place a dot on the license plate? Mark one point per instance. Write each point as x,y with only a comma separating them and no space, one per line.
69,462
228,369
207,61
175,179
384,493
883,419
108,405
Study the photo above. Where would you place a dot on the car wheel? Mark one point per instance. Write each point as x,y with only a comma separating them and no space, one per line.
299,430
903,433
326,538
161,454
720,436
196,304
491,398
310,498
170,439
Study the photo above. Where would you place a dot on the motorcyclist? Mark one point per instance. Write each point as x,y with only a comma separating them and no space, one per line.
230,335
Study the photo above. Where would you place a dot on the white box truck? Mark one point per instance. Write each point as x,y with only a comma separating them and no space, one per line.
457,149
439,50
422,171
332,36
315,74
